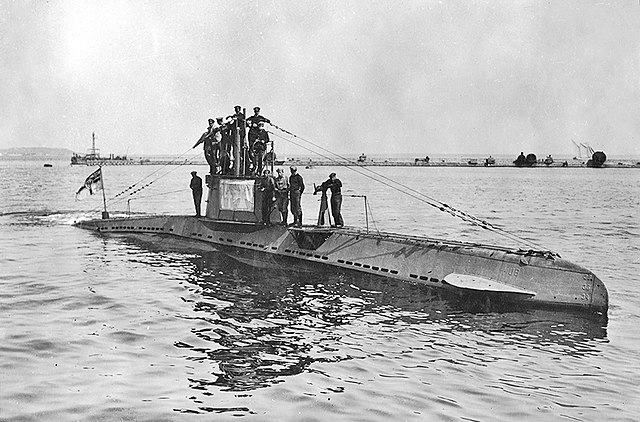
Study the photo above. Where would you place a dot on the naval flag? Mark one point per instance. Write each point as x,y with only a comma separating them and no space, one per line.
93,183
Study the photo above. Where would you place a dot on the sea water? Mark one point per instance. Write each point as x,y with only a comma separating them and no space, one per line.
147,329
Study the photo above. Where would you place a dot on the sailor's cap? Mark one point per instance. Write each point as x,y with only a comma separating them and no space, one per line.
256,108
194,172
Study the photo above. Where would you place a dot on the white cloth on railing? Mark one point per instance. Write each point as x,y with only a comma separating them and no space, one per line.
237,195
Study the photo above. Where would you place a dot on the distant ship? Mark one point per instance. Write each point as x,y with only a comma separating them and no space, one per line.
92,157
597,157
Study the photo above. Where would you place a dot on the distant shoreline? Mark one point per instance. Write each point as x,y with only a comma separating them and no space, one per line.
376,160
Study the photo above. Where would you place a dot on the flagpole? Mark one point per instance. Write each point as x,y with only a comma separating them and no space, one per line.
105,214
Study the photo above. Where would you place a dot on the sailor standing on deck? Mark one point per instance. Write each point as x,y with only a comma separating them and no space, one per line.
335,186
267,187
296,188
282,195
196,190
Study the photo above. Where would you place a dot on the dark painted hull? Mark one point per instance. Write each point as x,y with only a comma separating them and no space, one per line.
555,282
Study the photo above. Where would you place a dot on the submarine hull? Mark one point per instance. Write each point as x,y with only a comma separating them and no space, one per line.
531,278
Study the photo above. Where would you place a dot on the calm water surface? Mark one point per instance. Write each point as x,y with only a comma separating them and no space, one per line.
115,328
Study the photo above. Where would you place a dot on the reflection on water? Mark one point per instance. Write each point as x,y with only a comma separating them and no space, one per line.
262,325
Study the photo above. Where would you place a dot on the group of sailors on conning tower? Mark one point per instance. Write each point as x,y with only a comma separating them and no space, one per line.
219,142
221,139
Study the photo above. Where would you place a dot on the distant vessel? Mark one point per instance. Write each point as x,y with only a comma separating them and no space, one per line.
597,157
235,223
421,161
362,158
489,161
93,158
529,161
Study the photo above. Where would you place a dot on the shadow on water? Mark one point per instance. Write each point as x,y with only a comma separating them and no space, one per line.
258,323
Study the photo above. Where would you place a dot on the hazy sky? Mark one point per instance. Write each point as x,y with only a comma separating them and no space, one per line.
382,77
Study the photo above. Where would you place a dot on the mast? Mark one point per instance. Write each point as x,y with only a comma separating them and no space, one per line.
105,214
236,151
93,151
273,157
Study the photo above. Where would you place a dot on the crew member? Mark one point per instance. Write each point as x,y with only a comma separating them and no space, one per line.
226,146
253,123
206,138
196,190
259,149
282,195
211,139
296,188
205,134
238,125
267,187
335,186
238,116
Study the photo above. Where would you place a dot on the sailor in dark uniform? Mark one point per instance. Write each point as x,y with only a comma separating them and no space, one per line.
238,123
196,190
296,188
267,187
238,116
253,123
259,149
211,139
226,146
237,126
335,186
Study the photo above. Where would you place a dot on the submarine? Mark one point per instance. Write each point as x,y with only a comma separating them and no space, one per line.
233,223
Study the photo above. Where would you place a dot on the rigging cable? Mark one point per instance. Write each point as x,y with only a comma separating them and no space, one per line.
121,195
171,162
406,190
172,169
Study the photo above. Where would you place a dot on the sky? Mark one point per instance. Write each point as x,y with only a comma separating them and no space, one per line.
381,77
